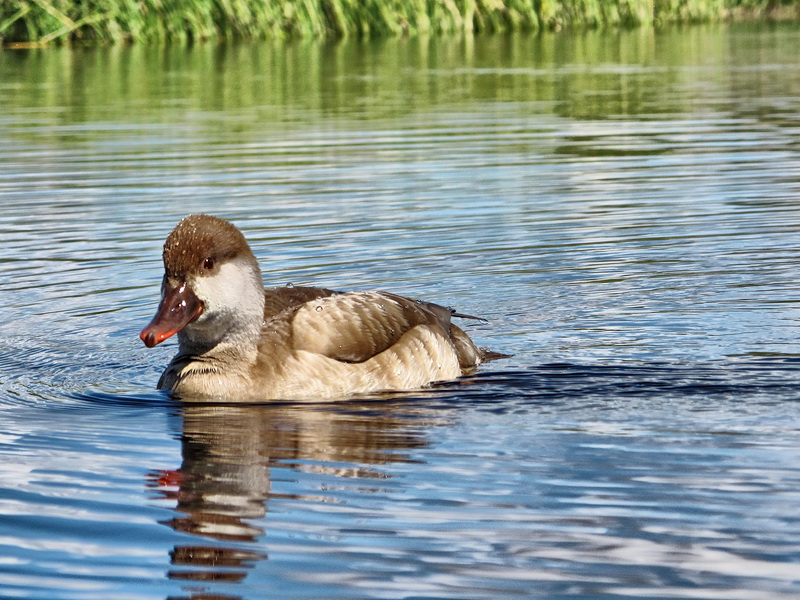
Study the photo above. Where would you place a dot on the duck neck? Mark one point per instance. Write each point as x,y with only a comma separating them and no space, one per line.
231,331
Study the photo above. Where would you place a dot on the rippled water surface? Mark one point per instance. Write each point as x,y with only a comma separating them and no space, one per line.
624,209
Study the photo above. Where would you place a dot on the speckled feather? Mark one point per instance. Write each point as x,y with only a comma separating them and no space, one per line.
198,237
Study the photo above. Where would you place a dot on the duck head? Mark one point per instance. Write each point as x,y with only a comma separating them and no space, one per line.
212,290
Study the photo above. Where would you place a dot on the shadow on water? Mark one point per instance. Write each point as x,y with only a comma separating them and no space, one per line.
777,377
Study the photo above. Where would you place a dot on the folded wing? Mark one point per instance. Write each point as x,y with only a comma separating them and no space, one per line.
353,327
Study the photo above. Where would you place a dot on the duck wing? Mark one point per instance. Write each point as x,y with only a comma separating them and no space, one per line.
355,326
277,300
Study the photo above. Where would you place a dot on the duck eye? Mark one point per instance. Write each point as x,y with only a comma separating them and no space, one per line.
208,263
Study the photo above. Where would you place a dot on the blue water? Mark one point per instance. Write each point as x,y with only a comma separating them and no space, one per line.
622,208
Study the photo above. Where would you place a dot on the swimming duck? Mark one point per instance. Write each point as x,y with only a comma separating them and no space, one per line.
240,342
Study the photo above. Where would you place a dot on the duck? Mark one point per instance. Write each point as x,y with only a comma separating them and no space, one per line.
239,341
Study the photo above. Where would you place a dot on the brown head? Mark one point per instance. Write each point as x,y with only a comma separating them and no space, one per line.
211,282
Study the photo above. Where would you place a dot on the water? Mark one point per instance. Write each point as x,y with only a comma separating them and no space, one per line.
621,207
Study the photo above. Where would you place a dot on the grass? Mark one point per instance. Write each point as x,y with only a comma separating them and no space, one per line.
40,22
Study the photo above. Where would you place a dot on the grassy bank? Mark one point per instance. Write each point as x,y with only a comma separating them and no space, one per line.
40,22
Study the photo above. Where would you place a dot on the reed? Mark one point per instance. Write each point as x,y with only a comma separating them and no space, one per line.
39,22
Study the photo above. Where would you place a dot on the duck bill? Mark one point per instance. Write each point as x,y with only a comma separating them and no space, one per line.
179,306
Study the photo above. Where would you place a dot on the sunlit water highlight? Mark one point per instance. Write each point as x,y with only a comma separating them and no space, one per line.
622,208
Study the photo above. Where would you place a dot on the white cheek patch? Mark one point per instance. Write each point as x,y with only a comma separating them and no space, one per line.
234,292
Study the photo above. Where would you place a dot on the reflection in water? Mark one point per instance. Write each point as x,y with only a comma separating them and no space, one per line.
223,486
238,89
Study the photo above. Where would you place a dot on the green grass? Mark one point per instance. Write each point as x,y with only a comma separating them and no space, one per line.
39,22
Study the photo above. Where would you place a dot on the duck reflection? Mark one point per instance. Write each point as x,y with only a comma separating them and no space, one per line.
223,485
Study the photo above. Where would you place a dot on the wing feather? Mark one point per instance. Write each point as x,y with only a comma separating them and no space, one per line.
277,300
353,327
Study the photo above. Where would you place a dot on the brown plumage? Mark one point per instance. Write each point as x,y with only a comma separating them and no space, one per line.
240,342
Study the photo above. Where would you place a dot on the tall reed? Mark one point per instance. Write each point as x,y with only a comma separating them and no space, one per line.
107,21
